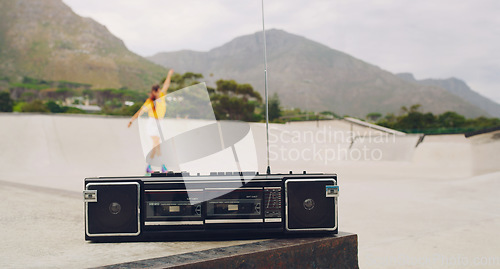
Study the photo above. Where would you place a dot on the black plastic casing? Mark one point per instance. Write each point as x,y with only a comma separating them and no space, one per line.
182,206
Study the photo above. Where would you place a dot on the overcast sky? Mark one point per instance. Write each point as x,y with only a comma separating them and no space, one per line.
429,38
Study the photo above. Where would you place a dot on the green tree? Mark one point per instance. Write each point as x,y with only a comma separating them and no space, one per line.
73,110
54,107
374,116
274,108
179,81
235,101
451,119
35,106
414,121
6,103
414,108
482,123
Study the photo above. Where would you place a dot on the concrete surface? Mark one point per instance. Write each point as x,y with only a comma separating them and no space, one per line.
435,207
43,228
483,145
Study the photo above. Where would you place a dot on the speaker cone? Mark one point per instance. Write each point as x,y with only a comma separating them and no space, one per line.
308,207
116,209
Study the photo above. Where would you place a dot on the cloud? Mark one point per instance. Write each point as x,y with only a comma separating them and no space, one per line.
152,26
432,39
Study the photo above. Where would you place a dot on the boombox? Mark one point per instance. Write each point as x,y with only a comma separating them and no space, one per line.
164,206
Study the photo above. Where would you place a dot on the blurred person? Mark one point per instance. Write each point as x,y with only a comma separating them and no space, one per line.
155,106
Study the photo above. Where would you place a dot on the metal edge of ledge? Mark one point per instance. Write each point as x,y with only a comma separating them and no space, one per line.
484,131
331,251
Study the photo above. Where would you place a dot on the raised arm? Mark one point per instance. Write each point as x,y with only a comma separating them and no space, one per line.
137,114
166,84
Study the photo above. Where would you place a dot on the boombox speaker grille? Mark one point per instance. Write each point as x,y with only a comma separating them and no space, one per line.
308,207
115,211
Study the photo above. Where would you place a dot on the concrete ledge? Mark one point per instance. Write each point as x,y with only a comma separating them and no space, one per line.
333,251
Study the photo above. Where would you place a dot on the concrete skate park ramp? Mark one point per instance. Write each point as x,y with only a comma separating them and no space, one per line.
419,184
485,152
60,150
457,155
328,144
333,144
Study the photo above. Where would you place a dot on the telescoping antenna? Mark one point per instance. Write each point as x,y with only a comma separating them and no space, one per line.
266,92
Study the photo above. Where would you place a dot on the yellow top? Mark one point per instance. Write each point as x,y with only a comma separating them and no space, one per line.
160,107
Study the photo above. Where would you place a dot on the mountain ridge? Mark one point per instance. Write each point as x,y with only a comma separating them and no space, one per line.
459,88
46,39
312,76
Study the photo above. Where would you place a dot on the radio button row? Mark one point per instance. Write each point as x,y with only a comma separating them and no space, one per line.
272,220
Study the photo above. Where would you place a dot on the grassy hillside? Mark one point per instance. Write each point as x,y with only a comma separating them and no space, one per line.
46,39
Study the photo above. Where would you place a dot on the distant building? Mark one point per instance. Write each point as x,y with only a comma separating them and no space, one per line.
88,108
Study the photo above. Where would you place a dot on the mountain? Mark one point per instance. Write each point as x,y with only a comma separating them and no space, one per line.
47,40
461,89
312,76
